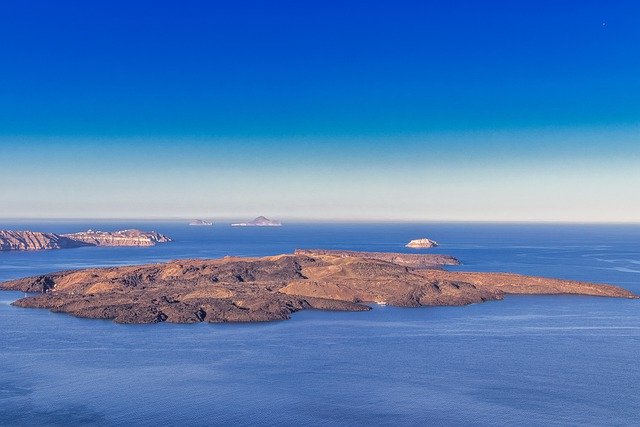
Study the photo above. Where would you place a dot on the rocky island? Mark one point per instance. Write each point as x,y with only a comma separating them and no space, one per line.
201,223
31,240
130,237
34,240
258,222
234,289
421,244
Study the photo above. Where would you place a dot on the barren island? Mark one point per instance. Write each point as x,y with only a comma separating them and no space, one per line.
234,289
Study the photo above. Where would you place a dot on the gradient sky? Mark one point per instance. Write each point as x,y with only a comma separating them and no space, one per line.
448,110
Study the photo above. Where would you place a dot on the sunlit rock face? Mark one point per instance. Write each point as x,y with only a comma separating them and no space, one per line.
119,238
34,241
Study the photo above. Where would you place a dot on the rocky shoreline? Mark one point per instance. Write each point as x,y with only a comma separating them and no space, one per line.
235,289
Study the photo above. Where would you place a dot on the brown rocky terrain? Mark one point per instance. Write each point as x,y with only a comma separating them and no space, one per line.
34,240
131,237
271,288
410,260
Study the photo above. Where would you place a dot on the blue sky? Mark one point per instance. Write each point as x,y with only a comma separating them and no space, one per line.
321,110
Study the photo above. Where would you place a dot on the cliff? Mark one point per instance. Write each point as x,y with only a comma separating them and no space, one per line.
119,238
271,288
33,240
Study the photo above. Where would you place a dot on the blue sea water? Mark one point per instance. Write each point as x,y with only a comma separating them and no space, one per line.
527,360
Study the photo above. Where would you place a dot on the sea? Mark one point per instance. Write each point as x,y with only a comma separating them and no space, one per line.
526,360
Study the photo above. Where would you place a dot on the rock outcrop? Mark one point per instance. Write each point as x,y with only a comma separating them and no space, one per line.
258,222
131,237
272,288
34,240
421,244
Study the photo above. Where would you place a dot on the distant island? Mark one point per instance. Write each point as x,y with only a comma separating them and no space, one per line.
132,237
201,223
33,240
421,243
236,289
258,222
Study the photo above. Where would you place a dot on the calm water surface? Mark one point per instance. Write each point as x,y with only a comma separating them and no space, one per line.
525,360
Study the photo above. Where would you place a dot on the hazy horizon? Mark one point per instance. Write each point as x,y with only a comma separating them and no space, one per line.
321,111
297,220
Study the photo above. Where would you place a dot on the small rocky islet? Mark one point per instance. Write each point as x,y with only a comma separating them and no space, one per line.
237,289
422,243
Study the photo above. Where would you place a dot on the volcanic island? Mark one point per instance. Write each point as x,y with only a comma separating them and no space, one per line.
238,289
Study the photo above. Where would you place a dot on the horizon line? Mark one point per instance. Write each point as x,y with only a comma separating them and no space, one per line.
297,220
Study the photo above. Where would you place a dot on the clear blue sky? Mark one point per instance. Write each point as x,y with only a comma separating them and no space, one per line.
461,110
